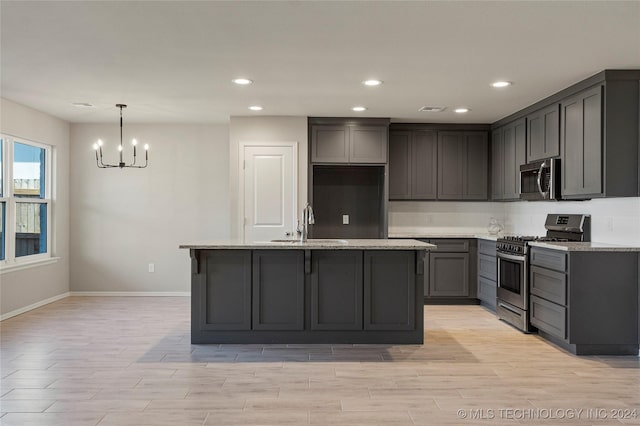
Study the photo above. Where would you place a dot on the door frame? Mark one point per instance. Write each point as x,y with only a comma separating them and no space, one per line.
241,183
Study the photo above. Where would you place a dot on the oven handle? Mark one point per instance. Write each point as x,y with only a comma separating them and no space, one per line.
511,257
540,179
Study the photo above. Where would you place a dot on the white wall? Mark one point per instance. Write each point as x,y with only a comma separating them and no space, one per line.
265,129
443,217
623,214
122,220
22,288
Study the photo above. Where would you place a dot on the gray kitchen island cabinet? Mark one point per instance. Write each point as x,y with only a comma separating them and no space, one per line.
320,291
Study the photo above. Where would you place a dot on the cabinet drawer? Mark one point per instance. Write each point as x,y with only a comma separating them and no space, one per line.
552,259
487,291
549,317
453,245
487,247
487,266
548,284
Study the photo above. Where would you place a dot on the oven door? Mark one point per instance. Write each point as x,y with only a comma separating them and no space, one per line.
512,280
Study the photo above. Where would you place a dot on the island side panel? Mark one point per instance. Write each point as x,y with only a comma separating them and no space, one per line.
221,291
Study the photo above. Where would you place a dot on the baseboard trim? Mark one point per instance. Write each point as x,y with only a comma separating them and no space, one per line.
34,306
131,293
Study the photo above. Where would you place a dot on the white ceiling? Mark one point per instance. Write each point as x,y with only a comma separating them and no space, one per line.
173,61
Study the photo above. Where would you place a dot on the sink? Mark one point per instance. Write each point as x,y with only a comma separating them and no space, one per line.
285,241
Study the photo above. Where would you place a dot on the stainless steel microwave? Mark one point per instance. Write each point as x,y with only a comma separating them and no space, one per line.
540,180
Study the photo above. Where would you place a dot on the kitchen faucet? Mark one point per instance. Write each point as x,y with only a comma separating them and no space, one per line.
307,219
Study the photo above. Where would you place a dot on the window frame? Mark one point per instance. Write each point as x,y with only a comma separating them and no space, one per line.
10,260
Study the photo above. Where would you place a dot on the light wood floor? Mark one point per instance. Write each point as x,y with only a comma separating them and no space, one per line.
128,361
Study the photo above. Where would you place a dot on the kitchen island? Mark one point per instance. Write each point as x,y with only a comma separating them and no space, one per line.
318,291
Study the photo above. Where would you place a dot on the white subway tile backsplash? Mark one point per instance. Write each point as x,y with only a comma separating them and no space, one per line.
613,220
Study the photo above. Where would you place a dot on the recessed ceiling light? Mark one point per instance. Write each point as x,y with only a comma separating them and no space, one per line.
372,82
501,84
462,110
255,108
242,81
359,108
432,109
82,104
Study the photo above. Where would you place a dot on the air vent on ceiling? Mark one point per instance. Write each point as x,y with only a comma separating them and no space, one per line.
432,109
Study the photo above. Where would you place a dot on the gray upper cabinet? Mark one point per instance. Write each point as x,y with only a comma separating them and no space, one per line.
368,144
400,165
348,144
508,153
462,165
413,165
543,133
581,141
330,144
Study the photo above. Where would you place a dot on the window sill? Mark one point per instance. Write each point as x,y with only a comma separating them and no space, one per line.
18,266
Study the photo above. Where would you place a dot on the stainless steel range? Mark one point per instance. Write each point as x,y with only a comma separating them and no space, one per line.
513,265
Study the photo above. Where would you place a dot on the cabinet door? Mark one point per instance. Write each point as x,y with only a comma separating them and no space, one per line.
487,292
497,165
476,166
581,141
449,274
336,290
543,133
329,144
278,290
368,144
225,297
389,290
451,161
400,165
424,165
515,135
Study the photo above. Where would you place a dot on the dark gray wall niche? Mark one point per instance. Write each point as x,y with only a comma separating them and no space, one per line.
357,191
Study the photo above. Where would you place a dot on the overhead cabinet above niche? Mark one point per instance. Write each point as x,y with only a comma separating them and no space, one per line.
344,141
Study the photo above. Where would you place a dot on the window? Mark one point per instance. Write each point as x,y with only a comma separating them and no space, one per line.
25,200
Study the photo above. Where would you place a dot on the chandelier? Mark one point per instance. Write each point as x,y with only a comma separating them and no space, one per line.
121,164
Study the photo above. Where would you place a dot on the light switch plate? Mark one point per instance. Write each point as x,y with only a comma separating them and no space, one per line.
345,219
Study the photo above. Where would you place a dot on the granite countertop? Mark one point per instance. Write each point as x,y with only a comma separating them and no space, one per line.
312,244
592,246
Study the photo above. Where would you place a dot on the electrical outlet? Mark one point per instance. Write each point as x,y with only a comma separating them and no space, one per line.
152,267
345,219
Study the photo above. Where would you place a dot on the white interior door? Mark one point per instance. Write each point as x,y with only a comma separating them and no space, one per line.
270,186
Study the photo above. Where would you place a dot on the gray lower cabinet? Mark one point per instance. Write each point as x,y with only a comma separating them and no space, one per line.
449,274
336,290
389,290
452,272
462,165
278,290
543,133
487,273
586,302
225,291
349,143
